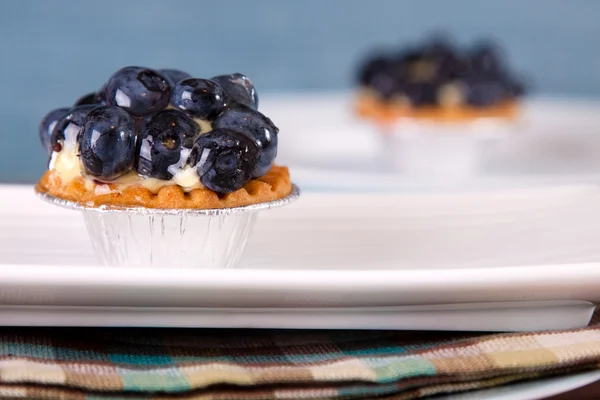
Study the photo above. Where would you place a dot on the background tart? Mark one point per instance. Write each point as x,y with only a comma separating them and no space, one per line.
440,81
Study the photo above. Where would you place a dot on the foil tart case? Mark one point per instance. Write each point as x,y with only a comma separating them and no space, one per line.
170,238
430,149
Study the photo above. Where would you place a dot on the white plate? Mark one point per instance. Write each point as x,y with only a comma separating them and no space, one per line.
520,260
558,142
416,276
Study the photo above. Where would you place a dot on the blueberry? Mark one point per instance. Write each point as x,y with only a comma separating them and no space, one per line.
387,81
174,75
482,92
422,93
200,98
239,89
439,46
167,138
258,128
89,98
486,58
410,55
374,65
101,95
449,63
138,90
47,126
452,67
515,87
98,98
67,131
108,143
224,160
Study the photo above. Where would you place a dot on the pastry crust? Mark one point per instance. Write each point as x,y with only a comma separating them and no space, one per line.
274,185
383,112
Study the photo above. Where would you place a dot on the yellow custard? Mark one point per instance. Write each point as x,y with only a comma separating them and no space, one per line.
67,165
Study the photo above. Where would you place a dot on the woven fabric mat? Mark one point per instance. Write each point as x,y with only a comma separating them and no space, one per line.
95,364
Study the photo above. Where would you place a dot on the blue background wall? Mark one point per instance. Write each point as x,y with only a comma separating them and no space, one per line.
53,51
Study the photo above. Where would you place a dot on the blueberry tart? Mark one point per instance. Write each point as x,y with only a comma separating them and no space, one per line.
164,139
437,80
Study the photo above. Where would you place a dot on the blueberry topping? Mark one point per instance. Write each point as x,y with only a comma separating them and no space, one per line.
159,123
452,67
47,126
438,46
167,138
174,75
486,57
89,98
200,98
481,92
369,70
224,160
421,94
258,128
239,89
421,73
383,76
108,143
449,63
385,83
140,91
67,131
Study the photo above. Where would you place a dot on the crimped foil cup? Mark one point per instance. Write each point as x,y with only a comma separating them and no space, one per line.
435,149
170,238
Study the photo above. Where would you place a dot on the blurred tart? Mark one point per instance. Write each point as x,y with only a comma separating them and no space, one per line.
439,82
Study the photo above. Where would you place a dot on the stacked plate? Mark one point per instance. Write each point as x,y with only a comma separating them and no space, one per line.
512,246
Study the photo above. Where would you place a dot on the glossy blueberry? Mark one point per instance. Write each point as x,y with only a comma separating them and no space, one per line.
174,75
200,98
239,89
140,91
108,143
47,126
167,138
67,131
101,95
258,128
89,98
482,92
224,160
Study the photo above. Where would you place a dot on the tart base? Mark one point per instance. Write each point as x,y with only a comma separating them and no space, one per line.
275,185
370,106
